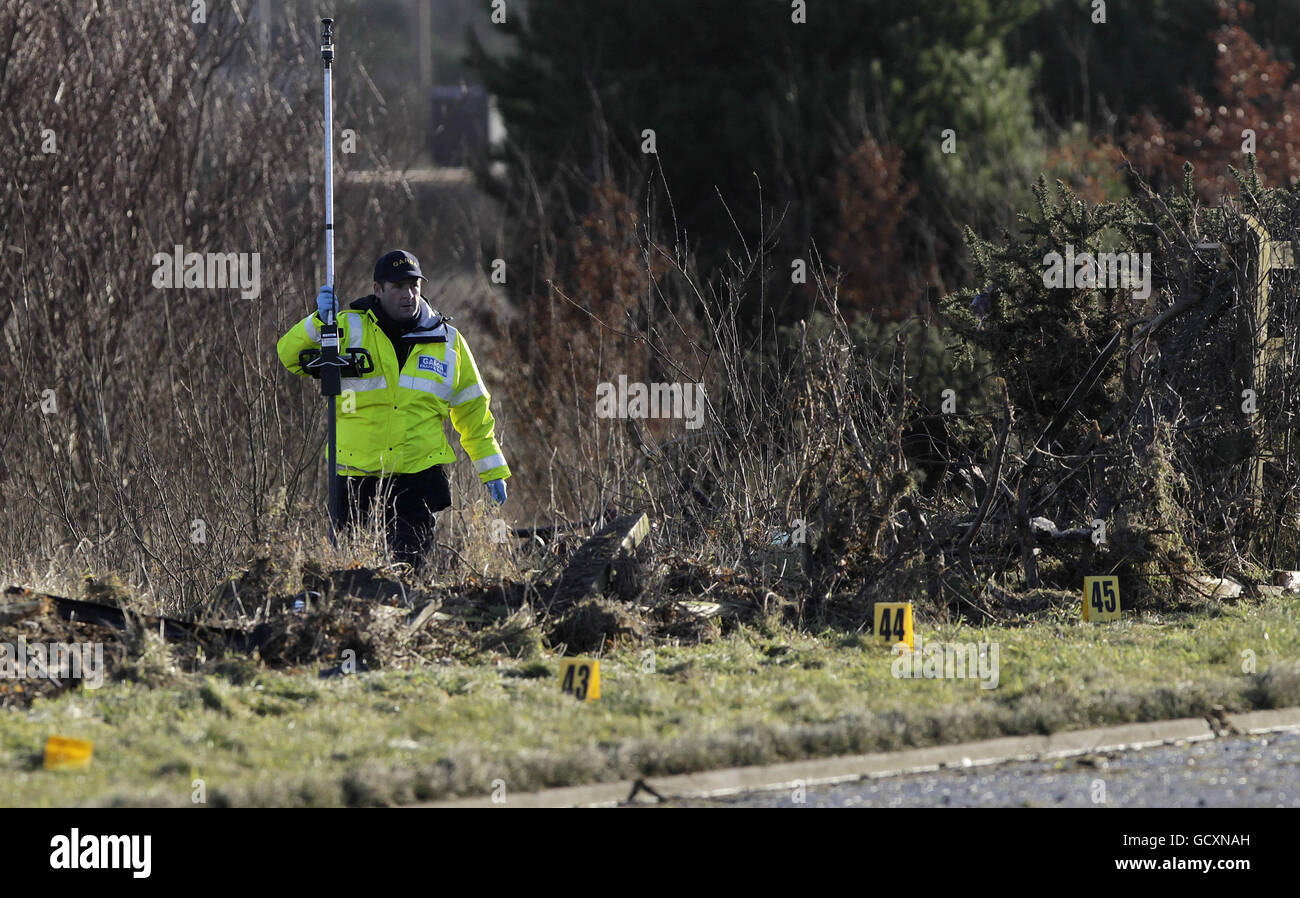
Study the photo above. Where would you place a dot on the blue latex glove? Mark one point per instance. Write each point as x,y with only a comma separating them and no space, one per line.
325,304
498,490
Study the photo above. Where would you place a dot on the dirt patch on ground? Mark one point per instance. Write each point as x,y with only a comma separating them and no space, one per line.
597,624
359,618
22,680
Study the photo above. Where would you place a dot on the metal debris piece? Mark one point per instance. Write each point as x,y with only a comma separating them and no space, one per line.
588,570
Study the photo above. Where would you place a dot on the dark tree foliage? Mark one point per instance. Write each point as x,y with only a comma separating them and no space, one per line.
1254,95
753,114
1102,73
1147,54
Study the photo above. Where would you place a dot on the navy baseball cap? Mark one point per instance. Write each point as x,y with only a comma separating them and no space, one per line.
396,266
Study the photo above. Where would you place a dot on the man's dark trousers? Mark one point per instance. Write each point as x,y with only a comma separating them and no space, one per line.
412,502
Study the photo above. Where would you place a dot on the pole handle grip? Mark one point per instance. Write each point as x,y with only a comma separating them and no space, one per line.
327,40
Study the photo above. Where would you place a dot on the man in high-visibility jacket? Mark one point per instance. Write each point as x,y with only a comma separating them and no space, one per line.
389,420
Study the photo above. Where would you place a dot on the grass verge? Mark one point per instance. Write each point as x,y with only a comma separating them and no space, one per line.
762,694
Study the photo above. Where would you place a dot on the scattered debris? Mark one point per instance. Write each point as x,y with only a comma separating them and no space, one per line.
347,621
590,567
13,612
1288,580
703,609
120,618
1222,587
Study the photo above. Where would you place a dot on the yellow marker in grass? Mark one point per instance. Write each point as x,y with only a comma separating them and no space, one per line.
894,623
67,754
581,678
1101,599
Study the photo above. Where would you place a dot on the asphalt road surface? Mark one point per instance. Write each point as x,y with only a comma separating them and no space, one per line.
1235,772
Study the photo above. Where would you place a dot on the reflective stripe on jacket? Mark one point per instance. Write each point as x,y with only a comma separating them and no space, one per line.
390,421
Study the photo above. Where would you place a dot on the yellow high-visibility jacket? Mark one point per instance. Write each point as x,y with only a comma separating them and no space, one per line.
390,421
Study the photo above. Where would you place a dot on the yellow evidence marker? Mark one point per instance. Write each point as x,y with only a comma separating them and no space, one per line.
893,623
67,754
1101,599
581,678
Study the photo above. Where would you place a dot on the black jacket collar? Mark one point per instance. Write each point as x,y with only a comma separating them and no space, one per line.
426,327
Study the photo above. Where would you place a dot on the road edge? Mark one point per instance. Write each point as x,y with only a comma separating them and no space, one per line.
846,768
